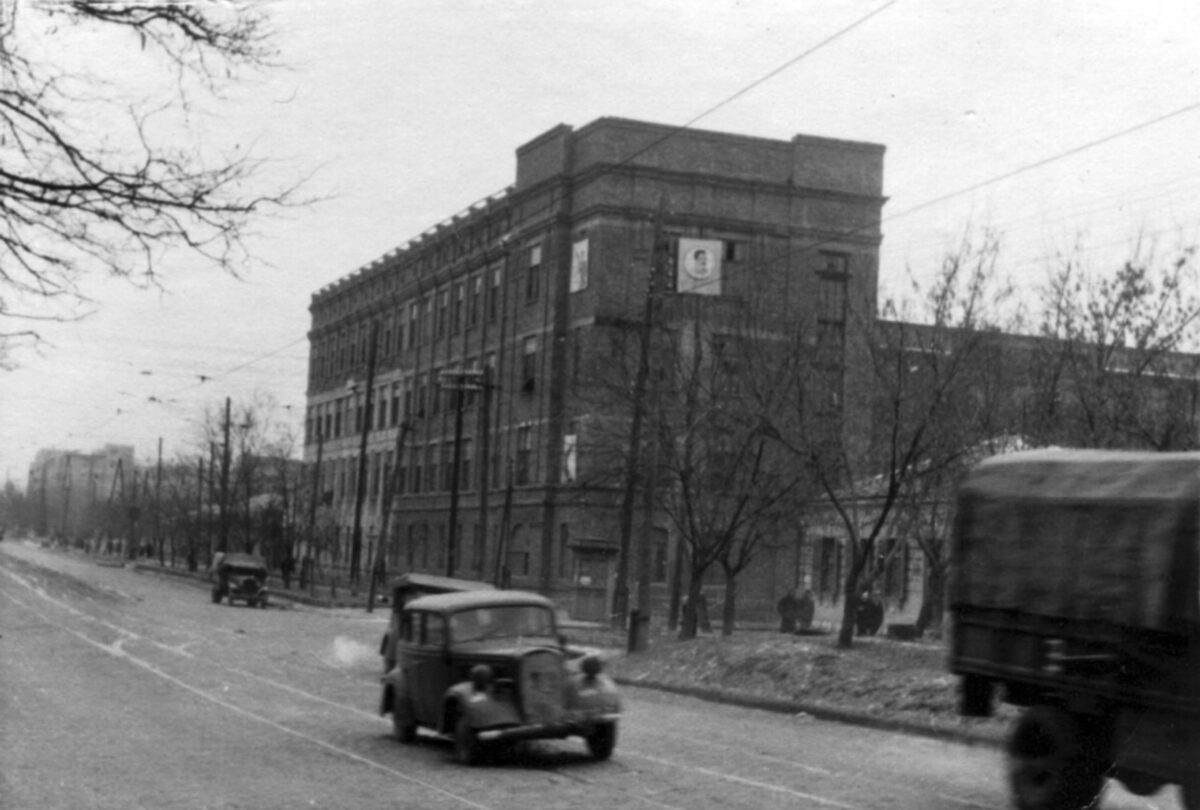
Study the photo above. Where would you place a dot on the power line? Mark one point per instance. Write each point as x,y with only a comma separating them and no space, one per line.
1045,161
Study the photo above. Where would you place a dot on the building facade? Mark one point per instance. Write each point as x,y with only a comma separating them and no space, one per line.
479,346
70,492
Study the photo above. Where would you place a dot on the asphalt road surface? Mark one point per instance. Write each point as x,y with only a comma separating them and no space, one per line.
121,689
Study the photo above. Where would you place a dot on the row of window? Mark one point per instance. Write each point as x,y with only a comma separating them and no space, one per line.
414,397
450,310
429,468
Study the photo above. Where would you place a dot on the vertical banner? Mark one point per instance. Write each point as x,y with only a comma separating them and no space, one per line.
699,268
579,265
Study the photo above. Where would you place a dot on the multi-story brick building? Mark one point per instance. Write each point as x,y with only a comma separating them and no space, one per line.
533,287
70,491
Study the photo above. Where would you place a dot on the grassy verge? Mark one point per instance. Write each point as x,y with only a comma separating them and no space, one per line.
892,682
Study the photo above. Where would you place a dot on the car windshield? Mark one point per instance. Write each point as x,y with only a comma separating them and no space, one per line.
507,621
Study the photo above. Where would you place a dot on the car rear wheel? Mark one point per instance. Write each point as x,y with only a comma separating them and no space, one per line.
216,596
1048,767
602,740
468,750
404,729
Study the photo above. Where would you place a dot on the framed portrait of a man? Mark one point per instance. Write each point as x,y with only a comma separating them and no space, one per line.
699,269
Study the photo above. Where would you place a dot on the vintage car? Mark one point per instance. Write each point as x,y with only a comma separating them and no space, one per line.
239,577
410,586
489,666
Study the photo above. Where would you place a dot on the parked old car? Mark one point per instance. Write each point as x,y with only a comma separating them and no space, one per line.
489,666
241,577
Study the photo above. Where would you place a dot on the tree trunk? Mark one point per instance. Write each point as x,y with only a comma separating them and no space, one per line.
687,629
933,597
729,609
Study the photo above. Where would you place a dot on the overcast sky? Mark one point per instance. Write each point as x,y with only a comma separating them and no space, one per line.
406,113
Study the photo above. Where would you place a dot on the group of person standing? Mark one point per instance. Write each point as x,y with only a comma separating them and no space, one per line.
796,612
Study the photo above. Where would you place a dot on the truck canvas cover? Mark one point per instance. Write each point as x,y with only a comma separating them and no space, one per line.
1082,535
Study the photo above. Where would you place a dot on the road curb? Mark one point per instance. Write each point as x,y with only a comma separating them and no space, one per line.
818,711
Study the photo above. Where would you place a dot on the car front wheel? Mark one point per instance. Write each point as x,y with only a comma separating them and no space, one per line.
602,740
467,748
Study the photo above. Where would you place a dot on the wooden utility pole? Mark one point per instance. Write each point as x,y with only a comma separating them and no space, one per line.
502,573
360,490
391,486
223,537
485,451
312,513
158,538
200,516
633,459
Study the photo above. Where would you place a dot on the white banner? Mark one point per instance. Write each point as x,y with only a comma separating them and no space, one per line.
579,265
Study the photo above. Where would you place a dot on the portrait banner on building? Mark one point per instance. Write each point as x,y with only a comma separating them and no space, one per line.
699,269
579,265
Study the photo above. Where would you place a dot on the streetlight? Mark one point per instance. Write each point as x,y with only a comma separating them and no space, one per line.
458,382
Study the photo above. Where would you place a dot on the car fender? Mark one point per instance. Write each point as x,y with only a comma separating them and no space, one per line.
394,688
593,693
482,707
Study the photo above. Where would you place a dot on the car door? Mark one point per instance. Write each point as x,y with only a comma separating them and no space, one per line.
427,669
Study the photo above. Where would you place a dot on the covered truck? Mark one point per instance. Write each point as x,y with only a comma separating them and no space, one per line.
1075,595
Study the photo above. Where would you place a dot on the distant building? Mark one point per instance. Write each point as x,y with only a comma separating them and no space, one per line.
69,491
530,290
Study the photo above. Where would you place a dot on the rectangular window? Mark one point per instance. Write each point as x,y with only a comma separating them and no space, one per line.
464,467
414,318
477,548
524,454
460,302
416,464
420,396
447,466
735,251
529,349
395,417
443,311
493,303
473,301
431,463
533,275
564,551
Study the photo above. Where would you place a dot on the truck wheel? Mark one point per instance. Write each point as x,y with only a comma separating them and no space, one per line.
468,749
602,740
1189,792
1048,768
216,596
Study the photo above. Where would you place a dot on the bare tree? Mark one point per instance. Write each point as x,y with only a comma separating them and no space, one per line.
1110,370
97,176
871,438
729,484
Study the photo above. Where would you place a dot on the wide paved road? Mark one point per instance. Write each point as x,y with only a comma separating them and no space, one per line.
127,690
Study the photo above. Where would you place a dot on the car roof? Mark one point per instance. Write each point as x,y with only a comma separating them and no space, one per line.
416,580
240,560
466,600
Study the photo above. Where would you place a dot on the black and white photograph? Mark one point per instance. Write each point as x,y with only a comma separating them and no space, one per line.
493,405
